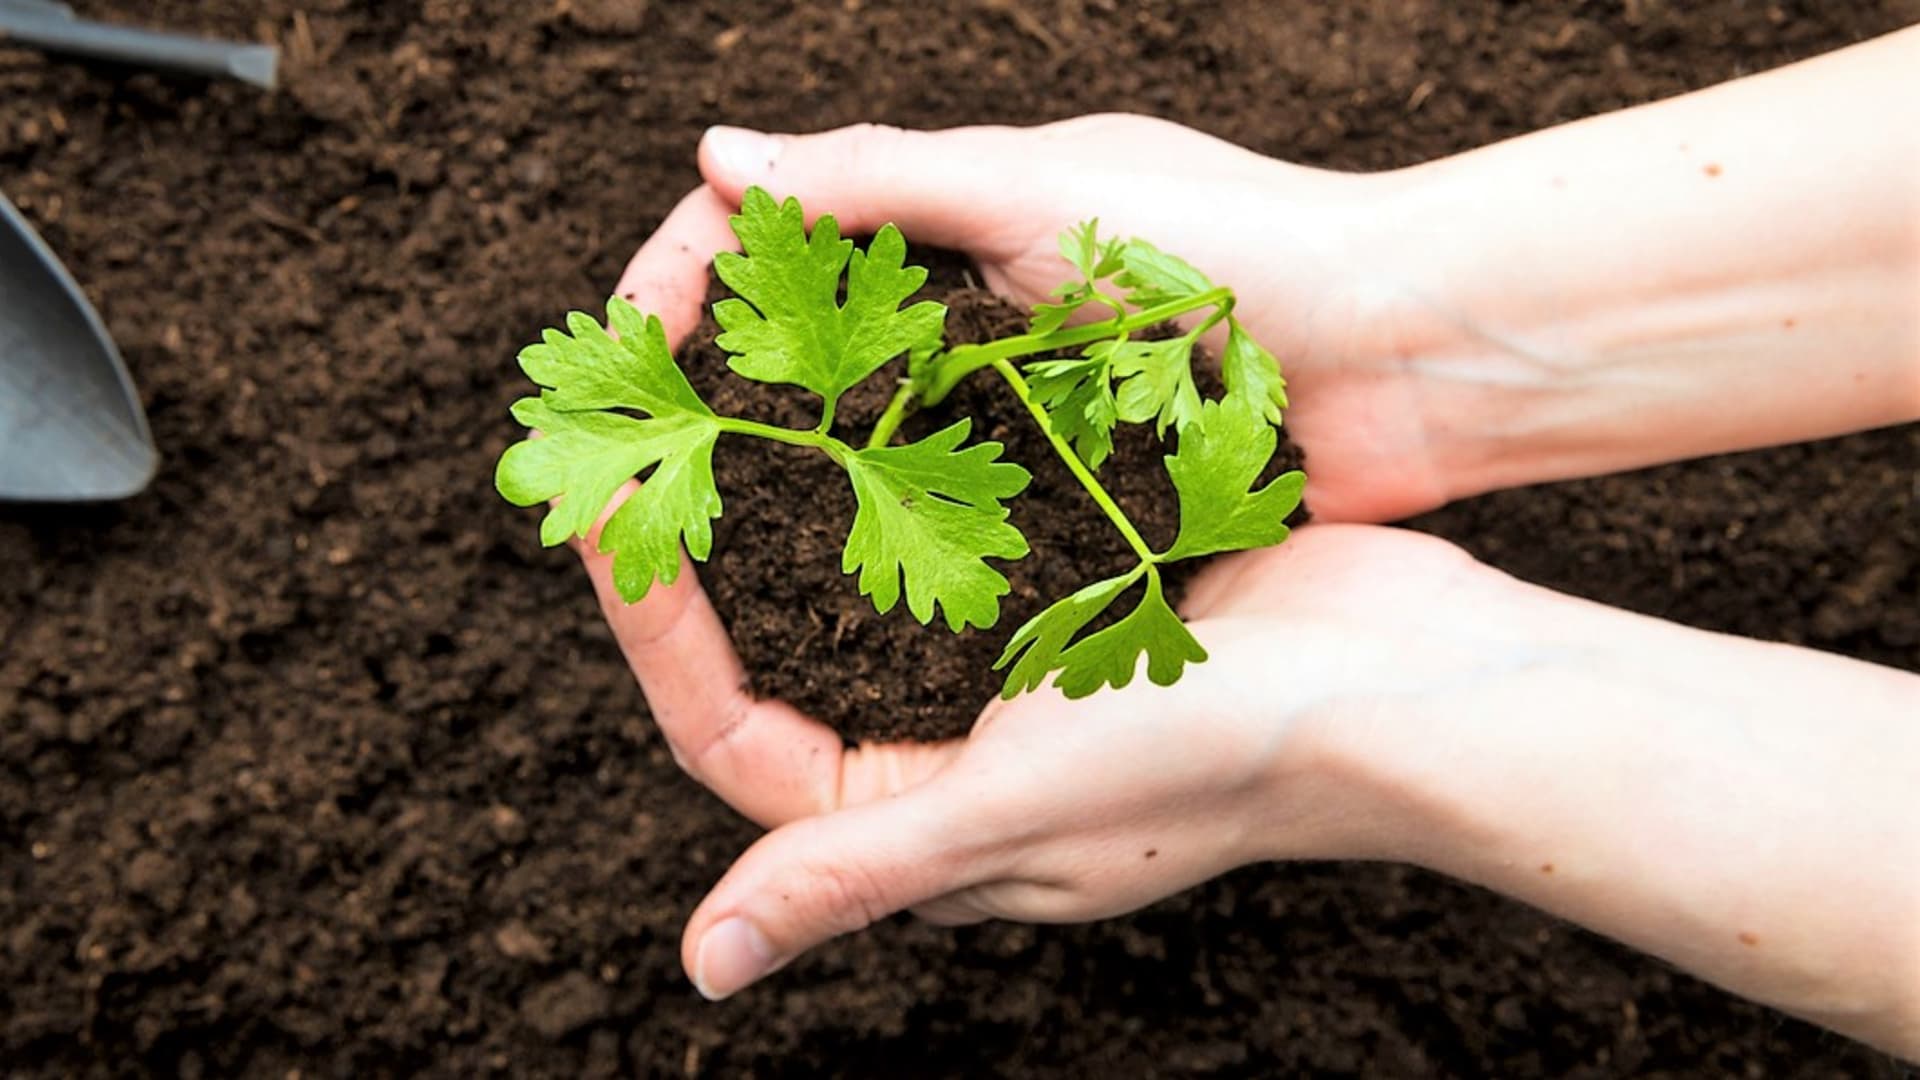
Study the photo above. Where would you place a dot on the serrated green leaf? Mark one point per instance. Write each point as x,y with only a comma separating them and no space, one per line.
1078,398
1252,375
591,369
1093,257
1220,458
584,454
1109,657
1152,276
1156,382
1039,643
787,324
582,458
932,514
676,505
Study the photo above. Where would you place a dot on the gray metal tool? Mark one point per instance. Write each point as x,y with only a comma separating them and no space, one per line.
71,426
54,27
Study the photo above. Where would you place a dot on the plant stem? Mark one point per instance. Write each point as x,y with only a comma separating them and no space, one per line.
833,447
896,412
964,360
1119,309
1078,468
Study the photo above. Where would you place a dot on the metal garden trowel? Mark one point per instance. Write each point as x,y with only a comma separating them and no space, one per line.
71,426
53,26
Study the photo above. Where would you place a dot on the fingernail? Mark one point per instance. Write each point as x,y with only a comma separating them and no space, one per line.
743,154
731,957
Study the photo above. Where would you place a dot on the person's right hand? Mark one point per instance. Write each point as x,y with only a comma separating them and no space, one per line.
1298,246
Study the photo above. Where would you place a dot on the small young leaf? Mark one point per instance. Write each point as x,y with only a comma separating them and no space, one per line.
1078,398
787,324
582,458
1094,258
933,514
594,370
1108,657
1252,375
1156,382
1050,317
1219,460
1154,277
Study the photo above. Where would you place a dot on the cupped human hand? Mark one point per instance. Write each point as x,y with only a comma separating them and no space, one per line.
1309,253
1055,810
1052,810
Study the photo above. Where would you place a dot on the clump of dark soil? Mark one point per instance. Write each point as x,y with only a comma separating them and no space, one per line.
312,759
804,632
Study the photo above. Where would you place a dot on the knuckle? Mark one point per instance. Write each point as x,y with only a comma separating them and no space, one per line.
851,894
1099,124
869,149
726,733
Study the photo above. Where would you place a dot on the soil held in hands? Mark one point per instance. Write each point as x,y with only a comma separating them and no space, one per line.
805,633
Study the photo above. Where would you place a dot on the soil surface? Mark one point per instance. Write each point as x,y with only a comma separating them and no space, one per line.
312,759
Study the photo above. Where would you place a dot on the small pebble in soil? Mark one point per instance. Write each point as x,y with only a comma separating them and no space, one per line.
516,941
158,877
564,1005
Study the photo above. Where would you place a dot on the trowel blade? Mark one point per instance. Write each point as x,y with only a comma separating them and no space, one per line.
71,426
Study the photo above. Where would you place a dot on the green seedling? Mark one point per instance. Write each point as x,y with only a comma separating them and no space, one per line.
811,311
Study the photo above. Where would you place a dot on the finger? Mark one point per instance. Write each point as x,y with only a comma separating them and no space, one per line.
948,188
1218,583
765,759
817,879
668,275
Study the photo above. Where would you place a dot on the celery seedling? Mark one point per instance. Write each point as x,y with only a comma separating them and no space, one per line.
812,311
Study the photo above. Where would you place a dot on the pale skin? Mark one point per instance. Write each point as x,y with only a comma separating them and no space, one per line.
1730,269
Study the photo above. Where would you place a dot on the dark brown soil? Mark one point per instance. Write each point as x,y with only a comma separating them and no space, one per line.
804,632
312,759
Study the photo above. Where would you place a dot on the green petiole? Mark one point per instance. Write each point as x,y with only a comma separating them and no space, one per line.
959,362
1075,465
831,446
956,364
964,360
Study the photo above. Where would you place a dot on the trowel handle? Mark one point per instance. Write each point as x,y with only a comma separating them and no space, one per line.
47,26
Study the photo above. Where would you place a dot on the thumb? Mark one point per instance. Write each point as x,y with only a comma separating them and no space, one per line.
948,188
808,882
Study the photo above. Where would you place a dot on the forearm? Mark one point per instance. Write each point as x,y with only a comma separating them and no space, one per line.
1745,810
1734,268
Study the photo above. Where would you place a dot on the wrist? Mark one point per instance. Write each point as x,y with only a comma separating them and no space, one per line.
1699,797
1366,768
1486,375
